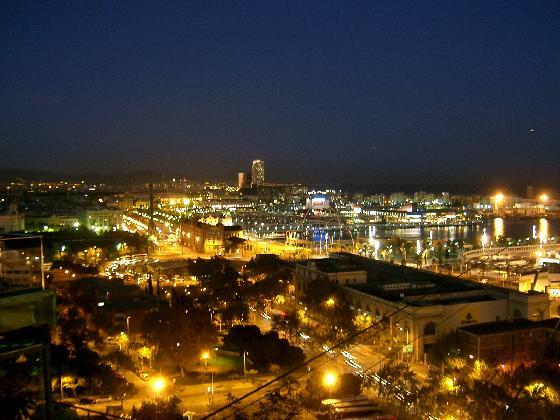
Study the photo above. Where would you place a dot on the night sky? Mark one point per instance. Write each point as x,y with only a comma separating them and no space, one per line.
347,92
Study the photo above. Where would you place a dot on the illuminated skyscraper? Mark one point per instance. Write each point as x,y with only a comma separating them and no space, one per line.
257,173
243,179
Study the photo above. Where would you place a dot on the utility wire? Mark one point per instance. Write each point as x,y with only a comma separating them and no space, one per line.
335,346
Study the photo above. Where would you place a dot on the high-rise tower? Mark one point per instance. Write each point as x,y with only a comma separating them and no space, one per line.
257,172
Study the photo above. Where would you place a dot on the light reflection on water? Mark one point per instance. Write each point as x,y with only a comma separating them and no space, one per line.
508,228
498,227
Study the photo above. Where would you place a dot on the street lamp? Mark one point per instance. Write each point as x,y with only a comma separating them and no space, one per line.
158,385
128,324
205,356
330,302
543,198
330,379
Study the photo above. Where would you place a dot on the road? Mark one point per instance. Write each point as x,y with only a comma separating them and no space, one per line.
194,397
357,357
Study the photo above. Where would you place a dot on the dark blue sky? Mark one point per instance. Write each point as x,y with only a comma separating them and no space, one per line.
346,92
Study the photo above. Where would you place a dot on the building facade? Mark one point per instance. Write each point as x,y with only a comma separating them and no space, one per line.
243,180
100,219
205,238
419,306
12,220
509,343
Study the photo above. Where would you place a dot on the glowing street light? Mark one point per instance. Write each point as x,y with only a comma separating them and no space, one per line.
330,379
330,302
543,198
205,355
158,385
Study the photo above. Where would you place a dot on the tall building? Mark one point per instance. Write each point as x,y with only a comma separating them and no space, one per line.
530,192
243,179
257,174
12,220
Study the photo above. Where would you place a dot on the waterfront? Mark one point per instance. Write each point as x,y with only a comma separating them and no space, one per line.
516,228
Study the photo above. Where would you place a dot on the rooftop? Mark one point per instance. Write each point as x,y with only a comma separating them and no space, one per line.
335,265
390,281
500,326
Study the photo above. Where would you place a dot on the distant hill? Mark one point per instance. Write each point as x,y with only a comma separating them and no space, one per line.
130,178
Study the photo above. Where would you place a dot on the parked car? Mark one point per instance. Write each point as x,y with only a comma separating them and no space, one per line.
86,400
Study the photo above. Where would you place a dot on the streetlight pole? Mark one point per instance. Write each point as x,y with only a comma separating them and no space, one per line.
128,324
244,367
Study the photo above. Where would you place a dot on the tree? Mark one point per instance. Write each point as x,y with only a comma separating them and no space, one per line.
145,353
16,401
169,408
281,403
263,349
182,335
398,384
234,311
290,324
404,247
240,336
150,287
362,321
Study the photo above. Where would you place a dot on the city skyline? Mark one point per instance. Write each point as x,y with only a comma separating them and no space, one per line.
355,95
265,209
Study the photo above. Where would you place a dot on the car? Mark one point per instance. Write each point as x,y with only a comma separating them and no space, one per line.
86,400
353,364
103,399
144,376
347,355
327,348
304,336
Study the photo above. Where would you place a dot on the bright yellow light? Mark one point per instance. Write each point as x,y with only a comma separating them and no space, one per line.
280,299
122,340
499,198
449,384
205,355
158,384
362,321
479,370
145,352
543,198
330,302
330,379
540,390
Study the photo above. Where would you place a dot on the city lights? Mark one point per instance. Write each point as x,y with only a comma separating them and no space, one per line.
280,210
